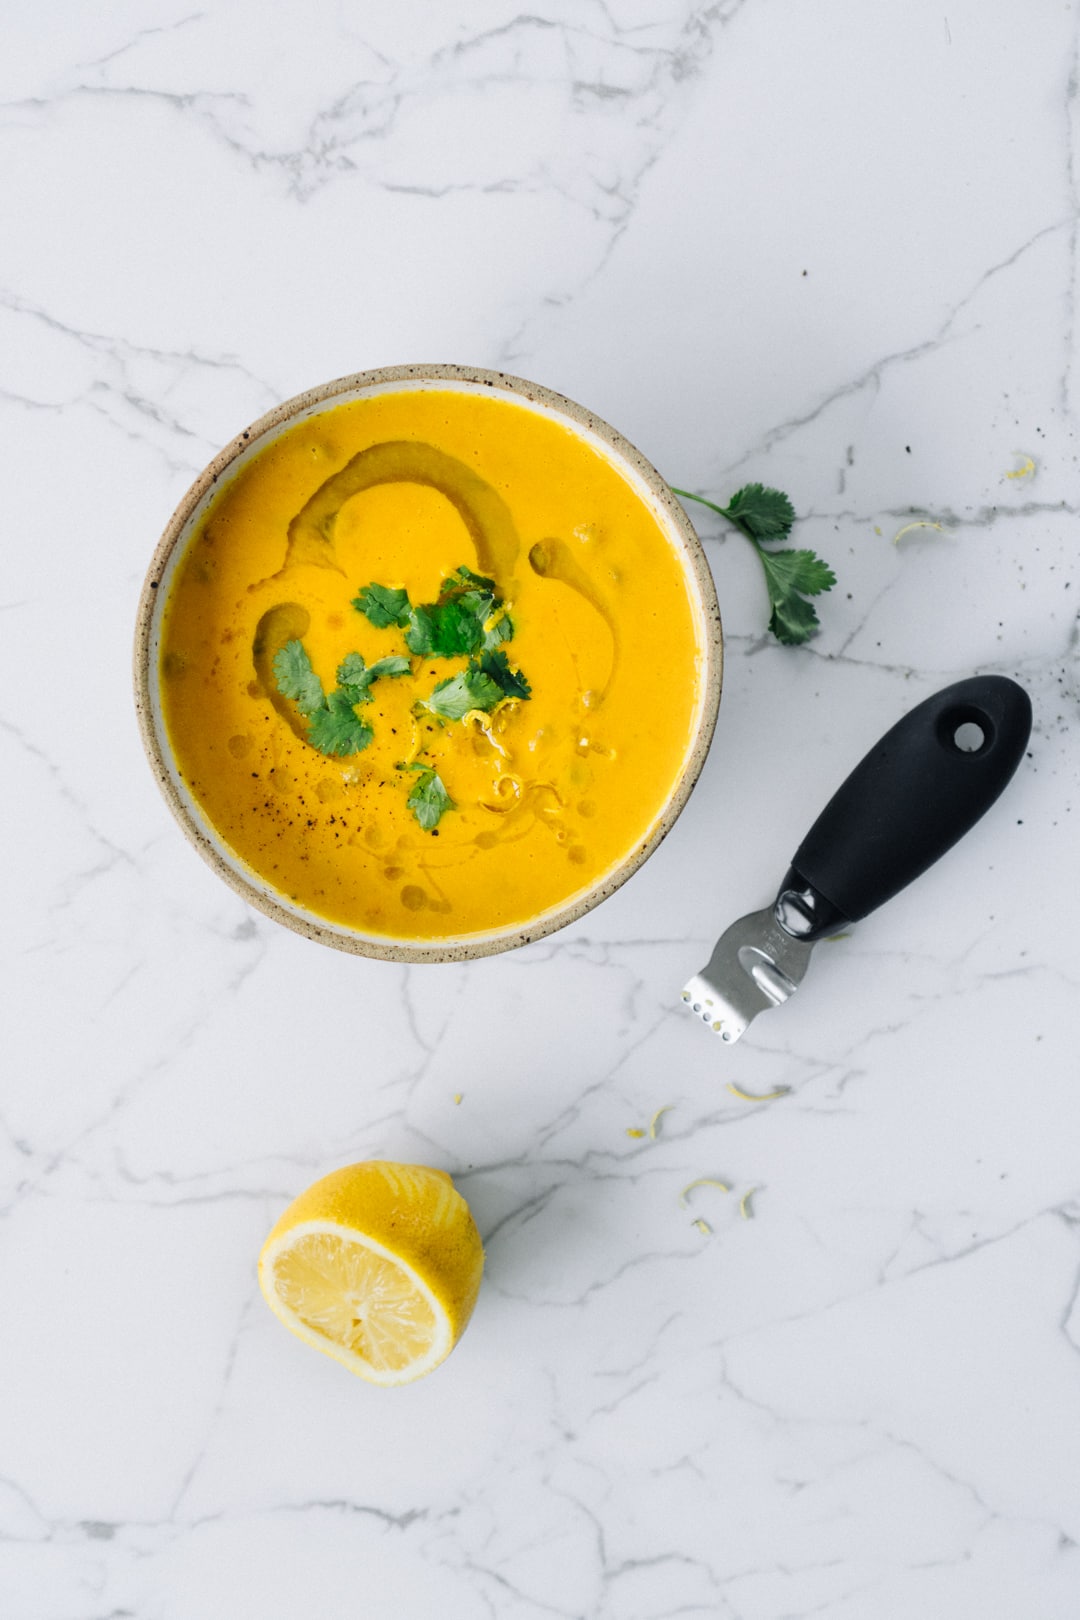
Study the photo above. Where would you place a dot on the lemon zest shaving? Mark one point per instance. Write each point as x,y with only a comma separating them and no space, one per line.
492,620
702,1181
1025,470
415,748
458,1096
483,725
744,1203
656,1119
757,1096
703,1227
830,939
634,1130
923,523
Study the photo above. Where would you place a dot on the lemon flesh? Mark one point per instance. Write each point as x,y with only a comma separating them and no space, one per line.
377,1265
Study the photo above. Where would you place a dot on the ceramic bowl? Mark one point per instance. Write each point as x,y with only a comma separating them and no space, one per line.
639,473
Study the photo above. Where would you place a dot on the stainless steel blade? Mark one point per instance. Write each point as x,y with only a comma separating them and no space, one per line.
756,964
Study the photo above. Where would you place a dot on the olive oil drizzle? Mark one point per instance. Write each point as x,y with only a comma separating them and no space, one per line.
553,559
404,461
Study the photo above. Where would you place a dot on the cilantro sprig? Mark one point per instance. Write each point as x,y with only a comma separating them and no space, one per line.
483,684
467,617
334,727
791,577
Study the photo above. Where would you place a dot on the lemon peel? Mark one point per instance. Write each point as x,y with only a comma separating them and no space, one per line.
758,1096
745,1209
483,725
703,1227
1026,468
634,1130
496,617
923,523
702,1181
654,1122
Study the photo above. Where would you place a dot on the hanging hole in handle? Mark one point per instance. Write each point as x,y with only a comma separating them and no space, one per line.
966,731
969,737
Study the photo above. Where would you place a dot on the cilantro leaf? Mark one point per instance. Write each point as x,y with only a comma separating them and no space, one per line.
448,629
790,577
296,679
799,571
463,579
352,671
356,679
426,632
470,689
429,798
333,724
383,605
338,729
766,514
496,666
456,624
394,665
763,514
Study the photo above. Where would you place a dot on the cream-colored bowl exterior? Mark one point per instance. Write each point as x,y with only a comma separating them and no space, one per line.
173,543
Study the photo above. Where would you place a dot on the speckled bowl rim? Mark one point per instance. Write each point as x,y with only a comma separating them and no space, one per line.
699,578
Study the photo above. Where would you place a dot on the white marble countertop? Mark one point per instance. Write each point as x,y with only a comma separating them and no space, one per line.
830,246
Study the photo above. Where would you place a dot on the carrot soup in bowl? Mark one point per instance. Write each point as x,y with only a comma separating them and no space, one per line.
428,661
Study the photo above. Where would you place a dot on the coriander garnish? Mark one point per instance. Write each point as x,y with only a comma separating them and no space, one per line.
468,617
383,605
356,678
496,666
467,620
483,684
791,577
296,679
334,727
337,729
429,798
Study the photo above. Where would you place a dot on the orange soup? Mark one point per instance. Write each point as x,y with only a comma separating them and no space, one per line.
430,664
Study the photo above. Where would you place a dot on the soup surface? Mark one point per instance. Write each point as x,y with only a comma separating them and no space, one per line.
430,665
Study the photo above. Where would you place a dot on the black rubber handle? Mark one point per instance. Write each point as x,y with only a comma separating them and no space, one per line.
918,791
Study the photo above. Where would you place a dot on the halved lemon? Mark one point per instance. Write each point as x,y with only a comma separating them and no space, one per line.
377,1265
